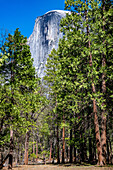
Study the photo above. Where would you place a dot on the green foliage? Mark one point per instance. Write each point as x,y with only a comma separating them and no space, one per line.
71,75
20,98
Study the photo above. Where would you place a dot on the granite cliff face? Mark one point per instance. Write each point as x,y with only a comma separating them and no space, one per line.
44,38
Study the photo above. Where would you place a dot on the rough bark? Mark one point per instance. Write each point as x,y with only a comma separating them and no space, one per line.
98,140
103,132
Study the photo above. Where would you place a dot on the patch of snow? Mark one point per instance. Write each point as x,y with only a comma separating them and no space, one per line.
59,11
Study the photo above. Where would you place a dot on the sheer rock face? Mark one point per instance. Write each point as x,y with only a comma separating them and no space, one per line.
44,38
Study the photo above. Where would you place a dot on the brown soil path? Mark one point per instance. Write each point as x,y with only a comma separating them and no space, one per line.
58,167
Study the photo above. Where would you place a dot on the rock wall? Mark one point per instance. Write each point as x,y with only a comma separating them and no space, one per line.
44,38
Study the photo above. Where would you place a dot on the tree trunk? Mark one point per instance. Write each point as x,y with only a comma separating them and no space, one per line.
70,146
36,150
96,123
54,149
26,148
63,141
18,154
85,139
10,164
33,149
70,160
58,158
103,136
98,141
103,133
74,139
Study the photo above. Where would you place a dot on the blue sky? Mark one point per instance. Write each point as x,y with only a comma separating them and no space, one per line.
22,13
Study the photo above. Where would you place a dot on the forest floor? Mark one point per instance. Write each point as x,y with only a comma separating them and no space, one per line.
58,167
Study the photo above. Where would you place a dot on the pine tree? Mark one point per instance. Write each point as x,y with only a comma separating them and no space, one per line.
18,75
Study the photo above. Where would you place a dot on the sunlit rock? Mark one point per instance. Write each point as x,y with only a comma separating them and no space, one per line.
44,38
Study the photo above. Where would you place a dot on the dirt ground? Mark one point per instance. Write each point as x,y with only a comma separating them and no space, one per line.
58,167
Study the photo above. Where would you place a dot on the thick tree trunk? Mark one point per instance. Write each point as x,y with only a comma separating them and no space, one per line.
98,141
103,133
26,148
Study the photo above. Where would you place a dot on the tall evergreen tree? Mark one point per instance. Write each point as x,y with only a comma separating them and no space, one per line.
18,75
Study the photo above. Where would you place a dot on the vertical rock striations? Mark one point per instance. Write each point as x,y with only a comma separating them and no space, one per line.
44,38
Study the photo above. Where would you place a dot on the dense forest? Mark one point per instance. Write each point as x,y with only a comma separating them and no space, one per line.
69,116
